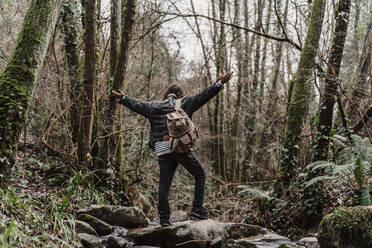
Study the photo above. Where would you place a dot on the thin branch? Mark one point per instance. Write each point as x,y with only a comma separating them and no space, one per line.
268,36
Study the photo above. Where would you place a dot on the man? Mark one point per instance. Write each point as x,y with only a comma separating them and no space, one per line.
159,140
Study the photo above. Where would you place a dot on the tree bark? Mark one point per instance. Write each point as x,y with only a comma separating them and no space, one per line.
361,78
73,64
20,74
298,107
330,93
254,93
128,10
238,44
86,121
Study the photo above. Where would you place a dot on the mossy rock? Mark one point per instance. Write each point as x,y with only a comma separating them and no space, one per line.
101,227
90,241
128,217
347,228
83,227
207,233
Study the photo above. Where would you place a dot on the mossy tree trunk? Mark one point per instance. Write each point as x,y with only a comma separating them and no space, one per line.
128,12
299,104
86,120
105,150
20,74
68,26
361,78
330,93
312,196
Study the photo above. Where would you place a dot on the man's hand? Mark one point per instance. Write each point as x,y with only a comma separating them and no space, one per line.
225,77
119,94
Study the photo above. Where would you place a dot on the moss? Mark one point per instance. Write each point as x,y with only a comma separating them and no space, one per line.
83,227
298,107
347,227
17,80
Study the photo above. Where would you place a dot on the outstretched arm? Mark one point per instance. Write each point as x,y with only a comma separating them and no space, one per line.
193,103
136,105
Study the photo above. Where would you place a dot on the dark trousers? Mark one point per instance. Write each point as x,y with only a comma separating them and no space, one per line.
168,164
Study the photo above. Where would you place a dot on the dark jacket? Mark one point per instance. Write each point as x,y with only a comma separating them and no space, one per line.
155,111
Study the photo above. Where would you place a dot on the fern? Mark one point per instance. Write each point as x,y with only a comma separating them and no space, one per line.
249,191
319,179
320,165
352,160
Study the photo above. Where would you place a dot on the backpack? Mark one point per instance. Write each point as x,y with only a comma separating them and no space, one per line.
183,134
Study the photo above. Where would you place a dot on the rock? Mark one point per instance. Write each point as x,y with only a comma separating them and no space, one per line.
268,239
309,242
119,232
101,227
288,245
117,242
128,217
208,233
347,227
83,227
89,241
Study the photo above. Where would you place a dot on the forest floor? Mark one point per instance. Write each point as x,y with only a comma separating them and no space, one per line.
36,210
44,192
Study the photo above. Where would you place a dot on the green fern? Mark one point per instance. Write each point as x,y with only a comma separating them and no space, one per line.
352,160
249,191
321,165
319,179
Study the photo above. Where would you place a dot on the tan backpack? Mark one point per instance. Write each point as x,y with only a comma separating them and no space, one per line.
182,131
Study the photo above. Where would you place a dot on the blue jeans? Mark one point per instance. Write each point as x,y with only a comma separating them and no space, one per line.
168,164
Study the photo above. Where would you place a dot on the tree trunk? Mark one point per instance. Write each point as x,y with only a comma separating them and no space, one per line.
298,107
330,93
242,170
254,94
361,78
73,64
128,10
21,72
238,44
312,198
219,107
271,113
86,121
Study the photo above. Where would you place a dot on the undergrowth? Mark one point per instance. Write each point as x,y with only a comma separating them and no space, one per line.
37,212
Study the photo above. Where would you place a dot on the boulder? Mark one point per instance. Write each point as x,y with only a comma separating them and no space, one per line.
101,227
83,227
347,227
309,242
208,233
89,241
128,217
117,242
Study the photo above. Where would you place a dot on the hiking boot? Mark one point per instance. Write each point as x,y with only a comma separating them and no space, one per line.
165,222
199,213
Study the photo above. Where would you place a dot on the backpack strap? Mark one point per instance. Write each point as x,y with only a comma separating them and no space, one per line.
178,104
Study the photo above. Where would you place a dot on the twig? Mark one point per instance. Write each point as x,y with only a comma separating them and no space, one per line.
268,36
47,133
